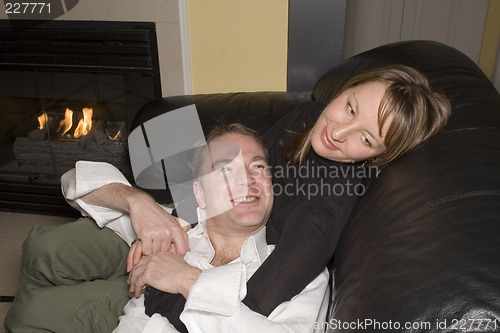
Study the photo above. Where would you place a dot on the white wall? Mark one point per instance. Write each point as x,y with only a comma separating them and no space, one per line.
458,23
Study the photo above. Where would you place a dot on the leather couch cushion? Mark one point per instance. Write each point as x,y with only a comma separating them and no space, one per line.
423,244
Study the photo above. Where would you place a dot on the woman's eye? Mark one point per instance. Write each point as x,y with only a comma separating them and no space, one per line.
366,141
350,110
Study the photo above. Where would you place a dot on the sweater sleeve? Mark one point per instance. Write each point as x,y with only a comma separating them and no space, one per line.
306,245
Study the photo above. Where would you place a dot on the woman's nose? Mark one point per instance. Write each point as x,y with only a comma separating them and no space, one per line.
341,131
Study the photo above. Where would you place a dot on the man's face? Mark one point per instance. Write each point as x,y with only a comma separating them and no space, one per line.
236,192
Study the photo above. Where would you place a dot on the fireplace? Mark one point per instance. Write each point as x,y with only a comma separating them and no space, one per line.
69,91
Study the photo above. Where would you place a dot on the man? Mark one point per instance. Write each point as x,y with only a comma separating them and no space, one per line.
235,194
236,200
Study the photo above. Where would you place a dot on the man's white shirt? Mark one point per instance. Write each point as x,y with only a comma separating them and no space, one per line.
214,302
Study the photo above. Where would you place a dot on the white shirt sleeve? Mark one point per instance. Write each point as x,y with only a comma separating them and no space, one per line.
215,301
85,178
90,176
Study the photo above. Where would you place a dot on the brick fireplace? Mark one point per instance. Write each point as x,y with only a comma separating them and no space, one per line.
58,80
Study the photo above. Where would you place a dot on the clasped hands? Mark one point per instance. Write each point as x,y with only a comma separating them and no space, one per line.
156,259
163,271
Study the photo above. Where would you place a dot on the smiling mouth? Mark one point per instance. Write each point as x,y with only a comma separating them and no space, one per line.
246,199
326,140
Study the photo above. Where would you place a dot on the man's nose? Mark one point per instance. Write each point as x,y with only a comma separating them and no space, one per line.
246,177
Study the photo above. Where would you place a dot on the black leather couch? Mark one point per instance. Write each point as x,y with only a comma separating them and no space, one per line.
421,251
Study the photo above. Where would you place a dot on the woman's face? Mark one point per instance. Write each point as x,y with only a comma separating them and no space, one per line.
347,130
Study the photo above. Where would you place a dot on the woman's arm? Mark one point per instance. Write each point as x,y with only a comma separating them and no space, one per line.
306,245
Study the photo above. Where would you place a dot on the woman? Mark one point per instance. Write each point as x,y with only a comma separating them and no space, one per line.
319,173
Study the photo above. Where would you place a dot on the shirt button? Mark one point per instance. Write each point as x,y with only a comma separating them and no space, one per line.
205,258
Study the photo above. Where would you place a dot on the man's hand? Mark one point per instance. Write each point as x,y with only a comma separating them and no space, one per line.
158,230
164,272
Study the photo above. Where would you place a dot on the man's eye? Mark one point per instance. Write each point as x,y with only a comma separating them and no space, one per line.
258,166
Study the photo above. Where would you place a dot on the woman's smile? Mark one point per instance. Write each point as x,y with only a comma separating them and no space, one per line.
326,140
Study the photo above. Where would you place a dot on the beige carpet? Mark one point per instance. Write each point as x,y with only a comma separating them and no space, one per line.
14,229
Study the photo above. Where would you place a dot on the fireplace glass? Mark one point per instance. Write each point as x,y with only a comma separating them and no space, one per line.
68,91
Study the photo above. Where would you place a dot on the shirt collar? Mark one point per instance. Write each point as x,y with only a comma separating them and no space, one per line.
255,244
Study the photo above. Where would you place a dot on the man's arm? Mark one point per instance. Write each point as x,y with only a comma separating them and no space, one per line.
215,300
157,229
102,192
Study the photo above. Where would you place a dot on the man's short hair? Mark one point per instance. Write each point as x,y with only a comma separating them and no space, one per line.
221,130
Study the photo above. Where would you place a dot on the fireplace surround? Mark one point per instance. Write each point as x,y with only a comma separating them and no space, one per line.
48,68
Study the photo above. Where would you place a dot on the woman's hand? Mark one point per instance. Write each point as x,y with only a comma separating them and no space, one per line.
164,272
134,255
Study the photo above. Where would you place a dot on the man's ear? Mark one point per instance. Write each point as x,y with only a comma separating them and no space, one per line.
198,194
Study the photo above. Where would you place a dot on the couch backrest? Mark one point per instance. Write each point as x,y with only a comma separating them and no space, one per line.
258,110
423,244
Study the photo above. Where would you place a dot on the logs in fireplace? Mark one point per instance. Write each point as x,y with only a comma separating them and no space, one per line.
104,142
48,68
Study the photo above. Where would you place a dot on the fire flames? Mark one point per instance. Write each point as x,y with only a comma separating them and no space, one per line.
42,120
115,137
66,124
83,128
84,125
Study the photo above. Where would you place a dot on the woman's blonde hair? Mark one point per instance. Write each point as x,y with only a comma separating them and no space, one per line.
419,112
